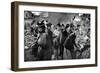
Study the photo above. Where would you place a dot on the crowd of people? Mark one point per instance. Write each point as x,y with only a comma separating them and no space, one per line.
51,40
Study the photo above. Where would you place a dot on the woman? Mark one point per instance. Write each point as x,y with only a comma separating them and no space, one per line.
45,44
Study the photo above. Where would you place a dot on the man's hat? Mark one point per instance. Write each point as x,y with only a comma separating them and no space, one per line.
49,24
58,25
67,25
71,25
62,25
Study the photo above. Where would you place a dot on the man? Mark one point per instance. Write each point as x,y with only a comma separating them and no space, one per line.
62,36
57,29
70,40
48,30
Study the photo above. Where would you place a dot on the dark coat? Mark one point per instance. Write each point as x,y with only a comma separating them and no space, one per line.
70,42
46,45
63,35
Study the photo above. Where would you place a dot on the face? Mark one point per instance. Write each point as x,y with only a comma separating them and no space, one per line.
63,27
39,29
48,27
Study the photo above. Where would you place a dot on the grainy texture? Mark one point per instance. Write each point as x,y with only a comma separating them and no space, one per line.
81,23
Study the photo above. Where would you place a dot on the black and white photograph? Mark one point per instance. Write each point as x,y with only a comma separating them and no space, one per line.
56,36
53,36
